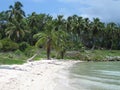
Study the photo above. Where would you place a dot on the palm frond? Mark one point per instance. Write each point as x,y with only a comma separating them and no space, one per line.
39,35
41,41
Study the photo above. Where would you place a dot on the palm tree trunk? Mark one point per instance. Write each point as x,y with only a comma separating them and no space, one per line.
62,54
48,48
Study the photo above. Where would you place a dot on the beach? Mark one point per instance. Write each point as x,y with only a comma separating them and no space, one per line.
37,75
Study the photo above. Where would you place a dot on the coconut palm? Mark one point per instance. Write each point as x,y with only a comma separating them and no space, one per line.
16,31
96,27
16,12
61,42
36,23
112,29
46,38
3,24
53,36
16,24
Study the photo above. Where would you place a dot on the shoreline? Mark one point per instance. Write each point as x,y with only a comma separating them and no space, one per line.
37,75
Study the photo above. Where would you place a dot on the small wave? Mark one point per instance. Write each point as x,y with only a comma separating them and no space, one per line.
114,73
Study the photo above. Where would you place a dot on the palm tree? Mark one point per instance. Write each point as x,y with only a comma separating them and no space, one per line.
85,31
47,37
112,29
3,23
36,23
16,24
16,12
96,27
53,36
16,31
61,42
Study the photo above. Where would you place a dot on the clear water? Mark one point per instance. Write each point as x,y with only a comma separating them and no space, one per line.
90,76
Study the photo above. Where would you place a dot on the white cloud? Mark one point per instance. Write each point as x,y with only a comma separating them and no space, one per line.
107,10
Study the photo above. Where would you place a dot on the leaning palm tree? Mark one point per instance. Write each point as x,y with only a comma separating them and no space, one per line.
53,36
46,38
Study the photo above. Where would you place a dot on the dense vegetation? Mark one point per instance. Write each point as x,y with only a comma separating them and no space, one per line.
22,32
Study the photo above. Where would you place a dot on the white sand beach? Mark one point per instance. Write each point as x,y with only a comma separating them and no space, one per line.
38,75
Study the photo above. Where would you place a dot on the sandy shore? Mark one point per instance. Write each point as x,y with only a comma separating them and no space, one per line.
37,75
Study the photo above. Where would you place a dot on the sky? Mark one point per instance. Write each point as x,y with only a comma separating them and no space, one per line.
106,10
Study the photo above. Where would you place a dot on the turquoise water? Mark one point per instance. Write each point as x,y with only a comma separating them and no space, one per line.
96,75
91,76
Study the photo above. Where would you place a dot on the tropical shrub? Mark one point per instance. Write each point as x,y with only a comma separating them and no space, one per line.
30,51
1,45
8,45
18,52
23,46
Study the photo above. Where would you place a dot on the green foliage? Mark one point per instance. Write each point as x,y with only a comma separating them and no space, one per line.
1,45
18,53
94,55
8,45
23,46
30,51
41,55
12,58
10,62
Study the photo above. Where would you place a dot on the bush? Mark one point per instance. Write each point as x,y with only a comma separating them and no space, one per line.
8,45
1,45
30,51
18,52
23,46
